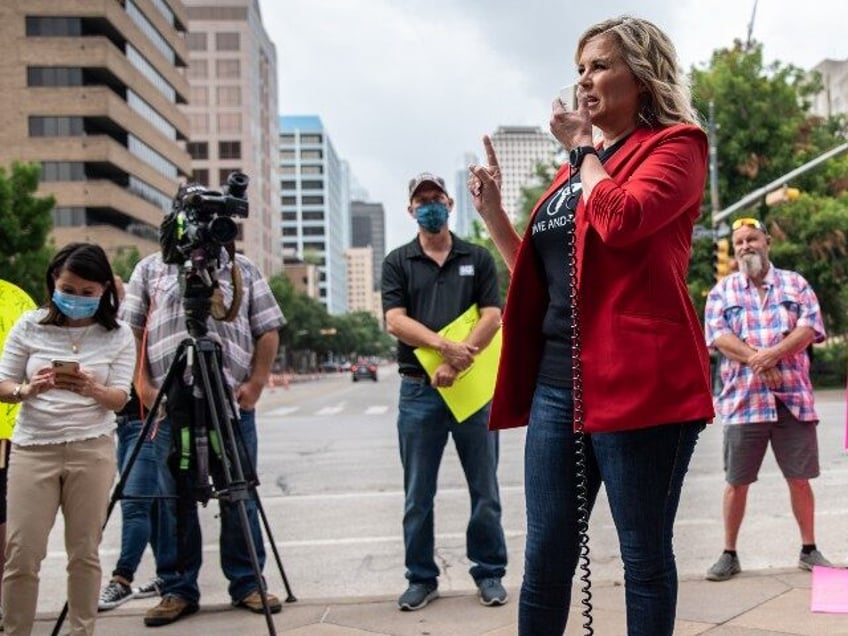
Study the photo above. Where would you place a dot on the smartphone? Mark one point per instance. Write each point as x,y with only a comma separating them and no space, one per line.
568,96
65,366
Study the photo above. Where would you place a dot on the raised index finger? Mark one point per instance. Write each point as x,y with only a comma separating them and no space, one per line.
491,157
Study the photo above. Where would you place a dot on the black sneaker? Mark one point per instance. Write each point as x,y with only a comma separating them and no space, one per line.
113,595
418,595
152,588
491,592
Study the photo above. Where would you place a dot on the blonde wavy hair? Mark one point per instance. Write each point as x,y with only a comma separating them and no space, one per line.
652,58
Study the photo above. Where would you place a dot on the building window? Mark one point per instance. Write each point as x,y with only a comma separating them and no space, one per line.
55,126
198,149
227,41
229,150
198,96
287,154
229,95
312,185
312,169
287,138
227,69
288,170
62,171
198,69
288,185
53,27
314,200
310,139
54,76
311,154
196,41
288,201
200,175
229,122
198,123
290,216
313,216
69,217
290,231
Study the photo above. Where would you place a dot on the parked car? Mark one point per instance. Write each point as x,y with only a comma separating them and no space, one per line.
363,370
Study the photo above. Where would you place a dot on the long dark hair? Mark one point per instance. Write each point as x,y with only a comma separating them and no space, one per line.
89,262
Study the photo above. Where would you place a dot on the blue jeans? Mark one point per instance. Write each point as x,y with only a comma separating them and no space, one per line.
138,517
424,423
179,571
643,472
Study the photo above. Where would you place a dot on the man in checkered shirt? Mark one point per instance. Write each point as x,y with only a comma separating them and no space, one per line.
762,319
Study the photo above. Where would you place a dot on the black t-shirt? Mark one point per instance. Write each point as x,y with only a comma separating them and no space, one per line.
552,236
433,295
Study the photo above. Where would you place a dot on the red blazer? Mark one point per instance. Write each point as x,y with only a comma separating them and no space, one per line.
643,354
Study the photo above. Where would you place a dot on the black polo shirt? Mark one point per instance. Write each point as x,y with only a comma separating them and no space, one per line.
433,295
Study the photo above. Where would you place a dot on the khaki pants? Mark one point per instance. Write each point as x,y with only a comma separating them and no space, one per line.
78,477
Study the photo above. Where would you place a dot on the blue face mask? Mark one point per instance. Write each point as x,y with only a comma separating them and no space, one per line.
76,307
432,216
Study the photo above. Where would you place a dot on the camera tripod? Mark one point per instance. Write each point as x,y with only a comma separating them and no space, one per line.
214,426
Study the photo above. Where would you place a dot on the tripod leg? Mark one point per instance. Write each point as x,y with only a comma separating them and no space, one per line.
237,492
290,598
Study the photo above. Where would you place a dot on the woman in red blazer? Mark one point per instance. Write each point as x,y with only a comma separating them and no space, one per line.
625,363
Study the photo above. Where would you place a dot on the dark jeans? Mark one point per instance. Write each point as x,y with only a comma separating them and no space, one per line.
424,424
138,517
235,559
643,472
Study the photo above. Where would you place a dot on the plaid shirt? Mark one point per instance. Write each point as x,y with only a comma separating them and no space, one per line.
154,301
734,307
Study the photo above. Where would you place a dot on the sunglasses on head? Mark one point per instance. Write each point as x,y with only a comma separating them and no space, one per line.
748,222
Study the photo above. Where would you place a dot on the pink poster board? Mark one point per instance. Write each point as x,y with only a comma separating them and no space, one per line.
830,590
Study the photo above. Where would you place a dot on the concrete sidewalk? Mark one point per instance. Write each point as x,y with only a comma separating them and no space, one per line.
767,602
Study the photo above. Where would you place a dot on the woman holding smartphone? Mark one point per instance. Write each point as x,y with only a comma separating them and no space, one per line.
70,365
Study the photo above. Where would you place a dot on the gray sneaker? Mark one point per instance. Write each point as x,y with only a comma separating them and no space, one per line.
491,592
726,566
418,595
807,561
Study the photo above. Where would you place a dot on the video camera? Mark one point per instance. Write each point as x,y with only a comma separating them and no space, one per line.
202,219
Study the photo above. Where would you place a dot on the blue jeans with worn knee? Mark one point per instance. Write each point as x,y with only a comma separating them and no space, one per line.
642,471
179,572
424,424
138,516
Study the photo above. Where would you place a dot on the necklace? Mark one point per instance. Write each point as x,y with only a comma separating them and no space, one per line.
75,343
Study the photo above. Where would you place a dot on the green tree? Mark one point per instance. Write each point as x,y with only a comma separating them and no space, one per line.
764,131
125,261
25,222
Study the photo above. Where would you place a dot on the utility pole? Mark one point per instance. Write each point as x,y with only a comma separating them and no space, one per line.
713,141
749,41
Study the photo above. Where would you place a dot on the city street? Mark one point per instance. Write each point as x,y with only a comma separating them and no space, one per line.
332,489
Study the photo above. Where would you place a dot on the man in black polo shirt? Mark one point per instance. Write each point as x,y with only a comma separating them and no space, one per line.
428,283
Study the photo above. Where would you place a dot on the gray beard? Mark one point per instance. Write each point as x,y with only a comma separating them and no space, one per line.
751,265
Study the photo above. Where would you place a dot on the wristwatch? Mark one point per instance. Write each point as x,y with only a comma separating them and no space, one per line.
578,154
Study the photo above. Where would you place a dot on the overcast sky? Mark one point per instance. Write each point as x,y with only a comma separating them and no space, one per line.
404,86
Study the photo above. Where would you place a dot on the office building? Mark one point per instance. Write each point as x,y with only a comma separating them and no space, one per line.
520,149
833,100
91,91
368,229
232,114
315,210
464,213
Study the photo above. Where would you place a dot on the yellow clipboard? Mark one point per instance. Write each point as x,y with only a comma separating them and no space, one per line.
474,387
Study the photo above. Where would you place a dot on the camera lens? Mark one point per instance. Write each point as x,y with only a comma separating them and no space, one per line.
222,229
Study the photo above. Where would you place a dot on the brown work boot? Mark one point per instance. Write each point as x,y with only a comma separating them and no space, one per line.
170,609
253,602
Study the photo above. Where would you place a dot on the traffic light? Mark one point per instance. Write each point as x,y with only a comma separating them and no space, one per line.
721,258
783,194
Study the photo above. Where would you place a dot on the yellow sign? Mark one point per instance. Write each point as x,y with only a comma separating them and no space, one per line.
474,387
13,302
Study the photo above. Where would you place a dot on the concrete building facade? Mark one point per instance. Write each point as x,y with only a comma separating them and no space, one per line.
91,91
232,114
368,229
833,100
314,205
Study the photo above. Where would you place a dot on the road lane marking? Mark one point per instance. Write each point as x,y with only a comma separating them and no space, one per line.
329,410
283,410
376,410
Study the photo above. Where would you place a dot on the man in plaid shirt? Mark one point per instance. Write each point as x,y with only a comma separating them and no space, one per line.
762,319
